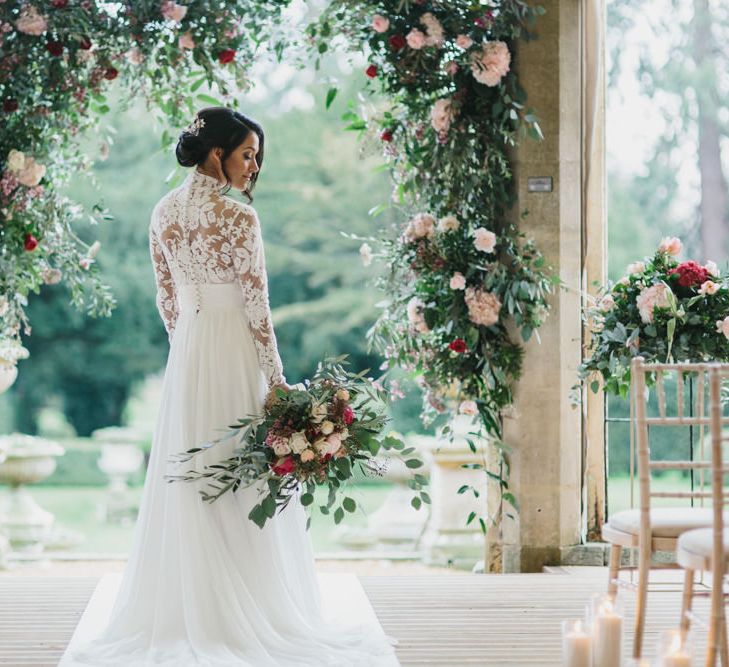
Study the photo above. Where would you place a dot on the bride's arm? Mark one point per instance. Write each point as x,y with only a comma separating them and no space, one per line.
166,300
244,232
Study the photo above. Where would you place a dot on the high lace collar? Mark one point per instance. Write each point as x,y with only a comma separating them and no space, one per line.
202,184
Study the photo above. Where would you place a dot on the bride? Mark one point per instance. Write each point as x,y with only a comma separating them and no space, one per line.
204,585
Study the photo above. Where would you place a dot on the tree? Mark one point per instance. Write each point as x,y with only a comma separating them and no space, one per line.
679,69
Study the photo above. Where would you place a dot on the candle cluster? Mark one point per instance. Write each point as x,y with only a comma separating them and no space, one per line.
596,641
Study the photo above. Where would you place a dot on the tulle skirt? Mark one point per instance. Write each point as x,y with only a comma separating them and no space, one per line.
204,585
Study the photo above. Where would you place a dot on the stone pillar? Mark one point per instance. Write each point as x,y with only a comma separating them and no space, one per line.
545,431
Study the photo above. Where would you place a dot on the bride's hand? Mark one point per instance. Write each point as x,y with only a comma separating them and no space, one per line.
271,396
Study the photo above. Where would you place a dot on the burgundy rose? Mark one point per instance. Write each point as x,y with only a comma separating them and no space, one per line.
10,105
458,345
286,466
60,4
371,71
30,243
348,415
111,73
690,274
386,136
226,56
397,42
85,43
54,48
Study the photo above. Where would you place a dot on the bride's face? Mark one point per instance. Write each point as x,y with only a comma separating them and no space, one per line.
242,163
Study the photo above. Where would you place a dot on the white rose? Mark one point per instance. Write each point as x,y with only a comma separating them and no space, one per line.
448,224
722,327
281,448
712,268
319,413
298,442
16,161
636,267
327,427
709,287
468,408
134,56
344,433
365,252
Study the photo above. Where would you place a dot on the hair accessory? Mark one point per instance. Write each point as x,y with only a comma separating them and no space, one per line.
194,127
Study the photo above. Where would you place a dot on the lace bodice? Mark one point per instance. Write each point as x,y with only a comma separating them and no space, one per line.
198,236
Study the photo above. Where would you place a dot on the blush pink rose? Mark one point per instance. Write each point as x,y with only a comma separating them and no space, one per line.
458,281
307,455
416,39
464,42
441,115
380,23
468,408
670,245
30,21
186,41
484,240
483,307
172,11
722,327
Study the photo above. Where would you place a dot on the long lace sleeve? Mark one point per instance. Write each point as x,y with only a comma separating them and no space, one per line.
244,231
166,301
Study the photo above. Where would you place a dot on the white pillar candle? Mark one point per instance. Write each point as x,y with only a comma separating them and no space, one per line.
576,645
608,630
674,651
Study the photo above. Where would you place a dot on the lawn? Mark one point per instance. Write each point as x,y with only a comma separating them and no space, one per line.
80,508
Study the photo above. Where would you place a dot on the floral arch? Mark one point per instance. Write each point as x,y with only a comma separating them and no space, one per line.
462,286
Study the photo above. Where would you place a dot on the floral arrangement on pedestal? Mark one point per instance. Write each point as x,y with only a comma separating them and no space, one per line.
462,285
663,310
58,60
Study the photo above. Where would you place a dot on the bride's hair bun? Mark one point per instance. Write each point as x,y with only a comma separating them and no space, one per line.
218,127
191,150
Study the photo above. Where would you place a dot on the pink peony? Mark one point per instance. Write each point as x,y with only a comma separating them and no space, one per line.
468,408
485,241
483,307
416,39
709,287
441,115
655,296
172,11
670,245
722,327
380,23
458,281
491,63
30,21
186,41
464,42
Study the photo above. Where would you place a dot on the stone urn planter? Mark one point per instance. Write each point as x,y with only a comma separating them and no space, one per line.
448,541
397,524
120,458
29,459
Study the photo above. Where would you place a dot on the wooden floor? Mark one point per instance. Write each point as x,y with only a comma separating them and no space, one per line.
440,620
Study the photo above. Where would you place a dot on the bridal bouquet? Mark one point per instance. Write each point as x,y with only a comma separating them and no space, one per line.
662,310
315,435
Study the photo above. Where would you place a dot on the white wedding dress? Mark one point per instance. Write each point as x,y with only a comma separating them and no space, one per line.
204,585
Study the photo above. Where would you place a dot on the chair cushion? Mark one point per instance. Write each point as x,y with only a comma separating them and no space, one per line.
700,542
665,521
